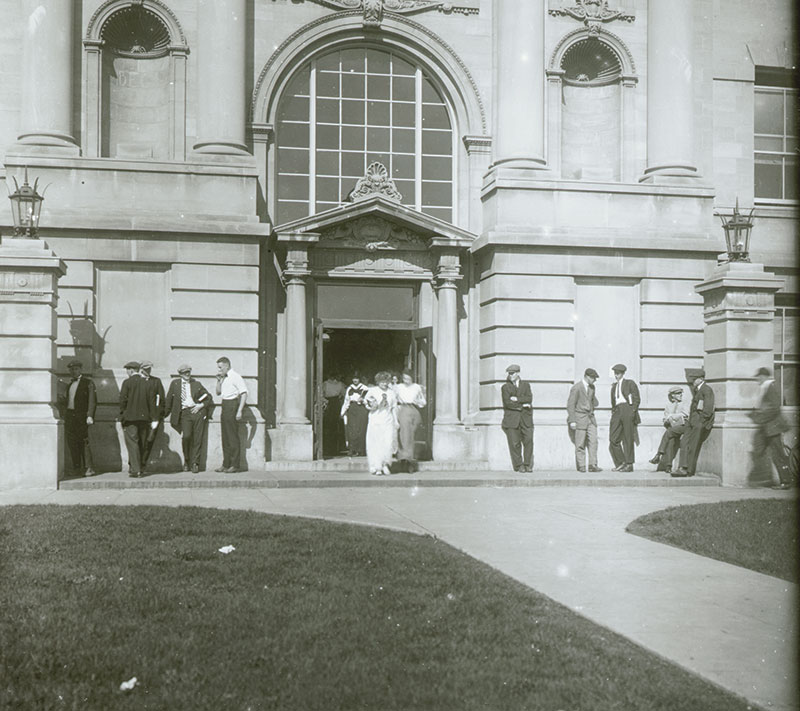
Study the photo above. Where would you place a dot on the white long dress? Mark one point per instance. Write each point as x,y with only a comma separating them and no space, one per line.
381,428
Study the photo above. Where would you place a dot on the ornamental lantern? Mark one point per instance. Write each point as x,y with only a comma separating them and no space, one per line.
26,204
737,234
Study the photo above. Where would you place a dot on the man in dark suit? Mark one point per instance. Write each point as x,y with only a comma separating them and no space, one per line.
518,419
581,421
701,420
155,392
767,439
187,405
137,414
622,433
78,405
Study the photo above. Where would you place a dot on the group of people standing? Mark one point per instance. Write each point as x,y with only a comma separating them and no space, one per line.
686,427
381,420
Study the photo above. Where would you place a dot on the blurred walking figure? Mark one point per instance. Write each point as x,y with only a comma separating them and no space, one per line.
410,399
676,414
381,403
581,420
354,413
768,437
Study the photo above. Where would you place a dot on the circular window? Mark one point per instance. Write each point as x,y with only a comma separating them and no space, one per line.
592,62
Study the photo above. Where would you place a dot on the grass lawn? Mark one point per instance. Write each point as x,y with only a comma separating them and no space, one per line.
303,615
758,534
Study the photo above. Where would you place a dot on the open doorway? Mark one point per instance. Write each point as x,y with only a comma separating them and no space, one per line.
341,353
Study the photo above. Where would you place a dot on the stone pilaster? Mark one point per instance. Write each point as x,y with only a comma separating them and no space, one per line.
739,307
670,101
31,434
221,69
46,121
519,84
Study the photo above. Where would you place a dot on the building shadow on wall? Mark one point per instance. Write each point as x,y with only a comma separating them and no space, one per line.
247,432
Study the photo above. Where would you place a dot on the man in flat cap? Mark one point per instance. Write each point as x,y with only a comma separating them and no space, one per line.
581,420
187,405
622,432
136,413
701,420
155,393
676,415
768,437
518,419
78,405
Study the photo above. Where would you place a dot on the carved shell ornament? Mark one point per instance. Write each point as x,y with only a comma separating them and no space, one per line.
373,9
375,182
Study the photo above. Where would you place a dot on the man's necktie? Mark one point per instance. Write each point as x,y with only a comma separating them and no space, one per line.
184,395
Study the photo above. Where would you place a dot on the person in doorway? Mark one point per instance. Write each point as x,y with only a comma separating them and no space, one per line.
333,396
518,419
155,392
233,391
410,400
78,407
381,402
768,437
676,415
581,404
622,433
701,420
354,413
187,404
138,417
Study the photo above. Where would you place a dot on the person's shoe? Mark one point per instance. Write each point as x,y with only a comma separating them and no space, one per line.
221,469
195,468
90,472
781,487
595,469
618,468
656,459
668,470
186,467
230,470
626,468
682,471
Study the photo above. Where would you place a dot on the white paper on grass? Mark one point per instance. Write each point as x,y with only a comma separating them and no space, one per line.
128,685
227,549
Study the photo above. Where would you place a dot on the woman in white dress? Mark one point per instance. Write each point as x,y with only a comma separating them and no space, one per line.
410,398
381,402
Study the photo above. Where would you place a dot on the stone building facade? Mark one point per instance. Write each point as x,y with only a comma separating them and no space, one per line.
304,184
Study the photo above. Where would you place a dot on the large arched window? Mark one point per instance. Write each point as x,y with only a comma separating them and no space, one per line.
351,107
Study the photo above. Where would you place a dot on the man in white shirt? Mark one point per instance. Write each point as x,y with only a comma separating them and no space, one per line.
233,391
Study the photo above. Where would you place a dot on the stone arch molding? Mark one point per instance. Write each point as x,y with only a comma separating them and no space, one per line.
608,38
396,32
92,83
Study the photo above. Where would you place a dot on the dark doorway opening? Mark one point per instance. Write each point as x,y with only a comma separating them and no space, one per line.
341,353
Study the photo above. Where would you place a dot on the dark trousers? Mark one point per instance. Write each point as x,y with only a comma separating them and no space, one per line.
692,441
621,433
76,434
670,446
765,448
193,430
231,449
520,445
136,434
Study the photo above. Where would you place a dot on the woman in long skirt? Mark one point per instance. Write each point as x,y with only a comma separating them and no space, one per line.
355,416
381,402
410,398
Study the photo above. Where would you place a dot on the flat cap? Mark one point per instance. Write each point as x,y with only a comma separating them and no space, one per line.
591,372
146,364
764,371
675,389
184,368
132,364
74,362
619,368
513,368
693,373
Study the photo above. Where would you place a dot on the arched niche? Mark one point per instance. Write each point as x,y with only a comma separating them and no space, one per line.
135,82
591,124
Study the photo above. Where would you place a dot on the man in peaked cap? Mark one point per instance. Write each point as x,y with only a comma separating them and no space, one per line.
518,419
78,405
188,404
136,415
622,433
581,420
768,437
155,393
676,415
701,420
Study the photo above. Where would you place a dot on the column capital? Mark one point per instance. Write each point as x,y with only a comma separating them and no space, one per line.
477,145
262,132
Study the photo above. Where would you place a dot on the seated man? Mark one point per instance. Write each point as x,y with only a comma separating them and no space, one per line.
675,416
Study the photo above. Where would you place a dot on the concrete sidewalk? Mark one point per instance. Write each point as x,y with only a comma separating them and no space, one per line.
734,627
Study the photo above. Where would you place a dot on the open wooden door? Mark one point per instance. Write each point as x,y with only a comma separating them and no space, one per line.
420,363
318,398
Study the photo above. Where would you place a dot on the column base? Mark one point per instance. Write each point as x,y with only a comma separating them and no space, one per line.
45,143
26,466
677,174
726,452
457,443
290,442
221,150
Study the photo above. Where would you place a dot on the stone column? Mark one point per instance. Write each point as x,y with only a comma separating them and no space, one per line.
46,120
221,77
670,78
31,434
295,393
739,307
519,84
